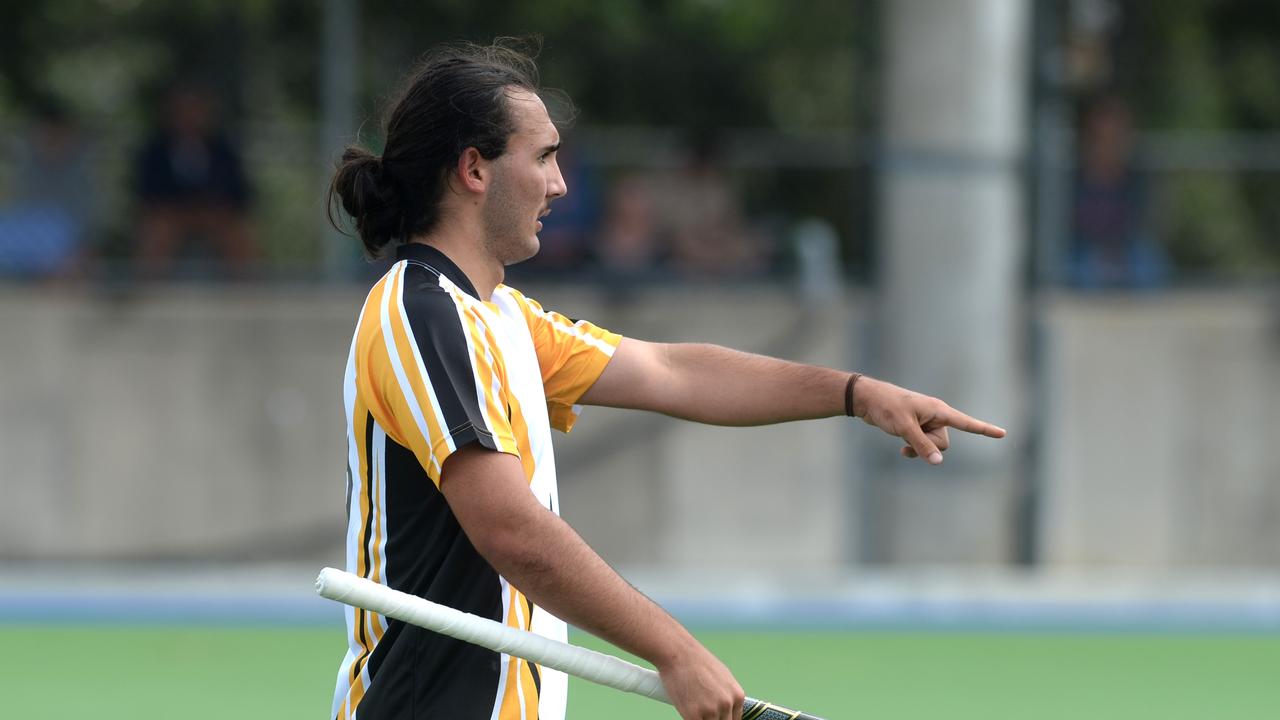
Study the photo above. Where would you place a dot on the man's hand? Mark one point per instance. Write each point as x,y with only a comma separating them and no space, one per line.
700,686
920,420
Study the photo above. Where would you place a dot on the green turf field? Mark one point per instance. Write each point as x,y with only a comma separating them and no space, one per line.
109,672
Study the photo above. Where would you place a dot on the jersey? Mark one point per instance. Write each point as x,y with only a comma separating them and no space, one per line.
433,368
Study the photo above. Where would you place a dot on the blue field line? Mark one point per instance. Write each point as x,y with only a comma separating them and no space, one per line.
274,610
897,614
986,615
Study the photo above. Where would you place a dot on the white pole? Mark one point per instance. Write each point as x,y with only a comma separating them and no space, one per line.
950,290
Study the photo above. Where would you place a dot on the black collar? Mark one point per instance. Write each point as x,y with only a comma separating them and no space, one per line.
438,261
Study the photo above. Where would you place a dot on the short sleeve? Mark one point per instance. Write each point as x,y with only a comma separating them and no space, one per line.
445,385
571,356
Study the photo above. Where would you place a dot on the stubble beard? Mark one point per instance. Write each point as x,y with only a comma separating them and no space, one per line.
502,221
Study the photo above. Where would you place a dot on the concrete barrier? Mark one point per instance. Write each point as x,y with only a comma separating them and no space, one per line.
205,423
1162,430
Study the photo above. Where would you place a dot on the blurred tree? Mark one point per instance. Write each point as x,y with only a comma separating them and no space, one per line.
1209,66
797,68
112,57
661,62
693,64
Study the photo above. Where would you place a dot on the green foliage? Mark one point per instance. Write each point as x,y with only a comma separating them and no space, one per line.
1189,66
1208,224
1211,67
698,63
112,57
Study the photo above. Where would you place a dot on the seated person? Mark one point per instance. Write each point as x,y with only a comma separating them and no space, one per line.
47,218
1112,245
191,186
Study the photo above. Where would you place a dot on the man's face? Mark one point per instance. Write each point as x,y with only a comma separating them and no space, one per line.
525,181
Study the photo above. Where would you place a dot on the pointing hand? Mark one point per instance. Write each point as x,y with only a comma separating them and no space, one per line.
920,420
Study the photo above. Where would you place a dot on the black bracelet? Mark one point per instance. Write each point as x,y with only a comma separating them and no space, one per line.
848,394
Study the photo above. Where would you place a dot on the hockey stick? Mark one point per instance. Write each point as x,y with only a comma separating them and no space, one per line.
580,662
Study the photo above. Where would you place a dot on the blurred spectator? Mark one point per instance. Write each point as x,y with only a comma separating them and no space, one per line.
1111,246
701,216
45,228
628,242
192,189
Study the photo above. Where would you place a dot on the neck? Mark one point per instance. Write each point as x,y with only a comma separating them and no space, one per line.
467,252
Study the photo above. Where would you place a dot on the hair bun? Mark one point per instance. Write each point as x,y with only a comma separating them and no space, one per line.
368,196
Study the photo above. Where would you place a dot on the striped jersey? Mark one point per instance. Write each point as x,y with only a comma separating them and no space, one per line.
432,368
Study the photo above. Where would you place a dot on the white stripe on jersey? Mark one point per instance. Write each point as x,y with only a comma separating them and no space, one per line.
342,687
524,381
520,620
460,304
426,379
342,691
364,676
575,330
378,538
389,336
503,658
495,386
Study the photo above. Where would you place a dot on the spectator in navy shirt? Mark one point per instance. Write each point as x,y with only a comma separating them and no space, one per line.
1113,245
192,191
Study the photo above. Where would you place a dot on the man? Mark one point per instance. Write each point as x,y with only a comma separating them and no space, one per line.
454,382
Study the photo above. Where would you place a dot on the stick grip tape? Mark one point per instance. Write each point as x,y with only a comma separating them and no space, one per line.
759,710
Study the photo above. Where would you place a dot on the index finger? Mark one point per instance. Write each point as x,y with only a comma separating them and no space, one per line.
958,420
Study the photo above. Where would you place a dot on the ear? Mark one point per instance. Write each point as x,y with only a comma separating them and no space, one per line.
472,171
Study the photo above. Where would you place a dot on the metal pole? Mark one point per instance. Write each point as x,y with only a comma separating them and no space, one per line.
339,61
950,275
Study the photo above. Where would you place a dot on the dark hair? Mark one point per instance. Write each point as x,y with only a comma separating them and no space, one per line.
455,99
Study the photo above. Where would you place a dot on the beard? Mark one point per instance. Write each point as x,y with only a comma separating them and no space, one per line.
507,235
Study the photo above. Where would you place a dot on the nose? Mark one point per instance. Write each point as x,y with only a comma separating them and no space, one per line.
557,187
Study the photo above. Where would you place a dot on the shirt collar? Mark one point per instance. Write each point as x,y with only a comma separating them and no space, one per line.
438,261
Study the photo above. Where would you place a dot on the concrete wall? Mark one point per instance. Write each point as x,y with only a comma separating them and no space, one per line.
179,423
189,423
1163,431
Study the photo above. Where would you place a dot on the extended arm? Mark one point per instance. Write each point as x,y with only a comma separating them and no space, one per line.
715,385
542,556
719,386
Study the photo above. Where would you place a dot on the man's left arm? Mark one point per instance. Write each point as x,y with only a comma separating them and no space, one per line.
719,386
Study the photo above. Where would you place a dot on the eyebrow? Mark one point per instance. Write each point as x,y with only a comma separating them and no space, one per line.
550,148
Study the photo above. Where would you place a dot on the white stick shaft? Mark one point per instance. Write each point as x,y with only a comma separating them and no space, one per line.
580,662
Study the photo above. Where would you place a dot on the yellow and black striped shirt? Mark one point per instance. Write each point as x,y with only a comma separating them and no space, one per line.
433,368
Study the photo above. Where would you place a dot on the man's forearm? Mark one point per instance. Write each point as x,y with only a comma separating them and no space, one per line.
719,386
543,557
557,570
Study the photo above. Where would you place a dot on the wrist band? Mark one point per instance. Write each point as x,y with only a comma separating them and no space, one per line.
848,394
